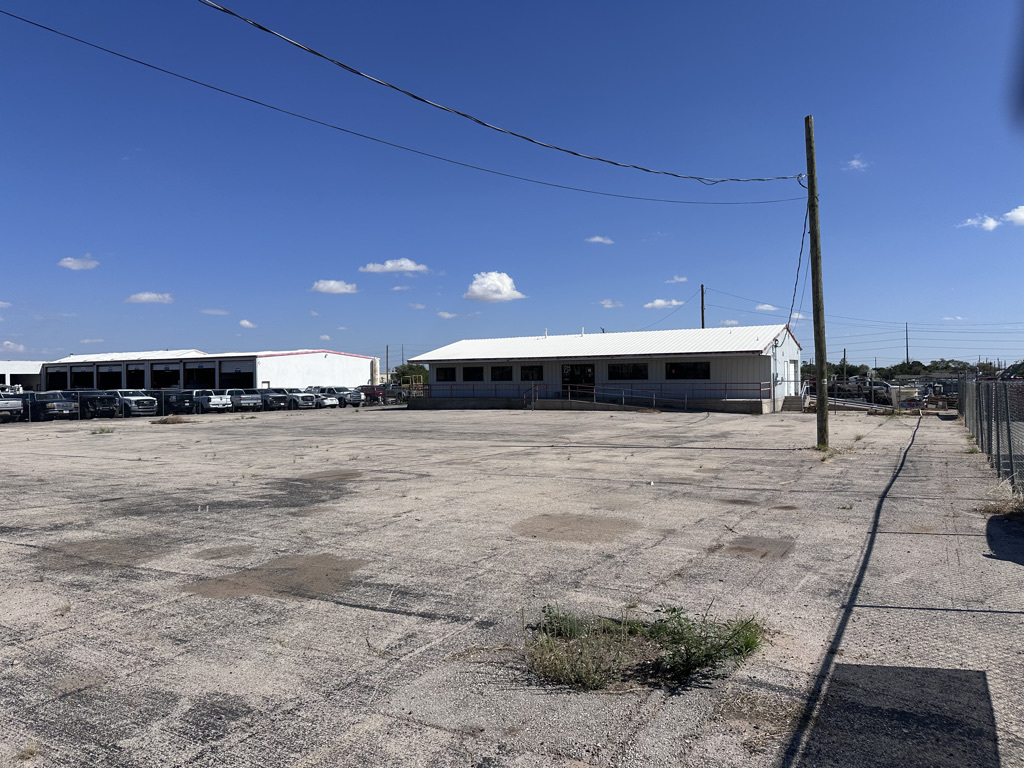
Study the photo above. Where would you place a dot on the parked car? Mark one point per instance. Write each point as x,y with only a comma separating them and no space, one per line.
298,399
349,396
93,403
44,406
325,397
378,394
11,407
243,399
134,402
274,399
172,401
208,401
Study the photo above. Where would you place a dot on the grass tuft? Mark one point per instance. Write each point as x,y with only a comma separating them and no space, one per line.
590,652
102,431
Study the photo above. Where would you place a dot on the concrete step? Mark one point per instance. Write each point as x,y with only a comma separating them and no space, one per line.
793,404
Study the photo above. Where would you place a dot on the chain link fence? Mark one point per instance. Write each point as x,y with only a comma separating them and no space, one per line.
993,411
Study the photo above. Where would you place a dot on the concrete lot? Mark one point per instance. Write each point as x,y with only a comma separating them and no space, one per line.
348,589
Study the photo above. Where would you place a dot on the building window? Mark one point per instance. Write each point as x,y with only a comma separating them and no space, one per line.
473,373
688,370
446,374
627,371
501,373
531,373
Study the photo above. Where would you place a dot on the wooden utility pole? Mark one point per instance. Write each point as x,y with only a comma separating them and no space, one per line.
702,305
817,294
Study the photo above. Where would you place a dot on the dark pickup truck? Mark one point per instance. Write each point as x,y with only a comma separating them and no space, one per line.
93,403
45,406
170,402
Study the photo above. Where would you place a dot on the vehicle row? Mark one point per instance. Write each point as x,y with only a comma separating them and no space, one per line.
95,403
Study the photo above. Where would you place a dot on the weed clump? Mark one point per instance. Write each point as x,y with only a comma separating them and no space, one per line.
592,652
175,419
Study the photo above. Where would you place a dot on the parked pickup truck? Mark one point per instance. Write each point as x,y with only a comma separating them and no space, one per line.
326,397
207,401
273,399
11,407
44,406
243,399
170,402
134,402
298,399
93,403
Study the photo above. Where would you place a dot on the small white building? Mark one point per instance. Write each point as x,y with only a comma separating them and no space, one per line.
747,368
192,369
24,373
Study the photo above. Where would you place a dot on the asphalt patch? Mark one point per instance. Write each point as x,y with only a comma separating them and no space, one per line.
756,548
292,576
583,529
120,552
219,553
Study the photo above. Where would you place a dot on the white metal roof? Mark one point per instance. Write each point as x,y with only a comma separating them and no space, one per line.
184,354
753,339
110,357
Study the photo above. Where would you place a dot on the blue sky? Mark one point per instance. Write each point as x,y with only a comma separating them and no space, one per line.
143,212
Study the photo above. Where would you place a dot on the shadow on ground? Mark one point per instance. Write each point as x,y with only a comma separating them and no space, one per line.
1006,539
904,716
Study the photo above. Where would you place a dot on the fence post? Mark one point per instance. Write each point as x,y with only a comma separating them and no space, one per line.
1009,434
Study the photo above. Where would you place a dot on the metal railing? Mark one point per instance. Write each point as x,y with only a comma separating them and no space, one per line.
741,390
993,412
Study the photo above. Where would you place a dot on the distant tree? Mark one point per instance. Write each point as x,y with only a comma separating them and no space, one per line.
411,370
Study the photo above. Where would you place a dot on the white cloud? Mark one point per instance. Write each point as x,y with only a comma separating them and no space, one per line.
610,303
1,319
600,239
214,311
418,306
10,346
4,304
342,328
766,308
395,265
730,322
980,222
663,304
955,317
325,337
855,165
333,286
149,298
1016,216
492,286
676,279
400,288
90,341
86,262
314,313
246,324
446,315
799,316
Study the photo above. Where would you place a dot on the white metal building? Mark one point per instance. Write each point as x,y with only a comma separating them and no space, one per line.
752,363
192,369
23,372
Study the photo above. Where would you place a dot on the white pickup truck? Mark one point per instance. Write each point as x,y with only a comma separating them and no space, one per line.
134,402
11,407
208,401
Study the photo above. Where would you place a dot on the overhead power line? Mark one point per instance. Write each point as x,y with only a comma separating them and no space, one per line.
386,143
478,121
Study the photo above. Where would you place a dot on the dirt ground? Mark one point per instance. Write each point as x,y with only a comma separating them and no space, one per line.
349,588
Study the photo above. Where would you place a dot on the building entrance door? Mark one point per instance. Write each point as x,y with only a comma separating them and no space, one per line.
578,380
